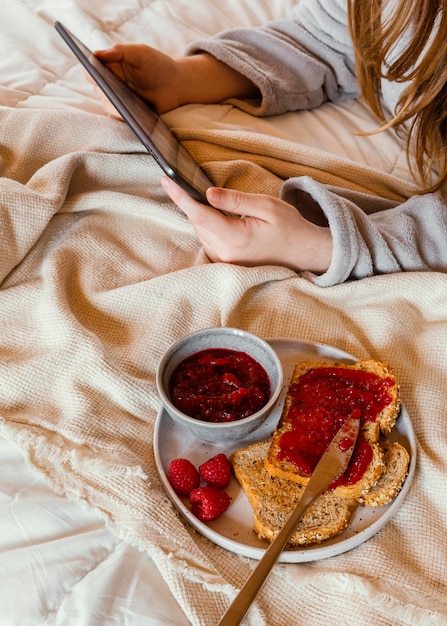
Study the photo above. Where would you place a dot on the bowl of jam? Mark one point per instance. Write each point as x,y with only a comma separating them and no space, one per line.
219,383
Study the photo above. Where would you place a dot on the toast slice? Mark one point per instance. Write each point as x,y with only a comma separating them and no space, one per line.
396,460
273,499
369,454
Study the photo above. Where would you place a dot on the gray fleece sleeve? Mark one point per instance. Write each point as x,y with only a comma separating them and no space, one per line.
297,63
370,235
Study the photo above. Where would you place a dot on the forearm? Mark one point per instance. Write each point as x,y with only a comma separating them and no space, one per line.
371,236
204,79
296,63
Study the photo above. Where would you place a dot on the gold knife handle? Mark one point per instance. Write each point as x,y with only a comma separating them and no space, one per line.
254,582
333,462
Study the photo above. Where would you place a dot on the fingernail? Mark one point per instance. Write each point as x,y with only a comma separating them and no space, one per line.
214,195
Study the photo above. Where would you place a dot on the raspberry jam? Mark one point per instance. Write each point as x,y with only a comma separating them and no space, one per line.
219,385
321,401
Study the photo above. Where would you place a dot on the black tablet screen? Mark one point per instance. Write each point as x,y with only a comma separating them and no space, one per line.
150,129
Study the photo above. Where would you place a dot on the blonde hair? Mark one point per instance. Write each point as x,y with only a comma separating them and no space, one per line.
422,107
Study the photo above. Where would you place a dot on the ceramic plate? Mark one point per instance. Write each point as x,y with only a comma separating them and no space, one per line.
233,530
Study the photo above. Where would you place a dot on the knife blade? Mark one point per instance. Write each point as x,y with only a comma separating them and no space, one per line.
331,465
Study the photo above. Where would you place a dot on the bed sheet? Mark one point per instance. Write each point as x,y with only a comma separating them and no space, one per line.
63,557
59,564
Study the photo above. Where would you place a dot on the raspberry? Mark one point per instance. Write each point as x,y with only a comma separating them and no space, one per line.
208,503
183,476
216,472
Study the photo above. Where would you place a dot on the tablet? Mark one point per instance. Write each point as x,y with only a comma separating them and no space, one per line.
154,134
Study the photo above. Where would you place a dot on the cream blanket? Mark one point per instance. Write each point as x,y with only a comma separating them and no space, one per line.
100,273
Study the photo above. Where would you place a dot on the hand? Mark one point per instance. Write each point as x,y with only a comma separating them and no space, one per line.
168,83
148,71
270,231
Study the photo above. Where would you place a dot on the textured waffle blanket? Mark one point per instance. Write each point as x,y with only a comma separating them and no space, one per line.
100,273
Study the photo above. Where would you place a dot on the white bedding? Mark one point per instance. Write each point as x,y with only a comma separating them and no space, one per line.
60,563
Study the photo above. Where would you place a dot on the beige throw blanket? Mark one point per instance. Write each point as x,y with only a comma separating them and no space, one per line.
100,273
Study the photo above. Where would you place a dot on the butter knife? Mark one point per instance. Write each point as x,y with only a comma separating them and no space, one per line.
333,462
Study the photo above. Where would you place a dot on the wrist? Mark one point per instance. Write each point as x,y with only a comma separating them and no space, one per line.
203,79
315,255
324,251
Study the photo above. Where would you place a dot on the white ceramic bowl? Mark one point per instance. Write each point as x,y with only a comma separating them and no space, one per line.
231,339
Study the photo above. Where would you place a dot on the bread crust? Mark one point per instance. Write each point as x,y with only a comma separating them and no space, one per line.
384,422
273,499
396,460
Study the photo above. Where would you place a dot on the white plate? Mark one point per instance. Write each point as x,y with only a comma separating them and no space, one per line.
233,530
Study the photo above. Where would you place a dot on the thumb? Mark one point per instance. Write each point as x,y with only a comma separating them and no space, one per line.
239,202
228,200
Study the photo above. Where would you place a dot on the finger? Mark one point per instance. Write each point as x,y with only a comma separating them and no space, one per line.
114,54
89,78
205,219
182,199
105,102
107,106
240,203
